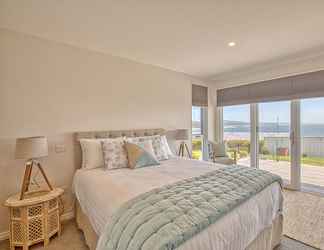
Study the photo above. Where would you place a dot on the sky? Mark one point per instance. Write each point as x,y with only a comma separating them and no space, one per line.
196,113
312,111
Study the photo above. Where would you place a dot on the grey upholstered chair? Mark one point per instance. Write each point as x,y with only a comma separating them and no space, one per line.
217,153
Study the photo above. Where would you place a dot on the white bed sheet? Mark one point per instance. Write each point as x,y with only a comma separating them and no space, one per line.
100,193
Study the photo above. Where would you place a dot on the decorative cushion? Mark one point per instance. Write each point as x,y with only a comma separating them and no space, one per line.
91,153
141,154
114,153
159,151
166,146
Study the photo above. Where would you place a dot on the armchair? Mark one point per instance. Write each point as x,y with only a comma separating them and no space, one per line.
217,153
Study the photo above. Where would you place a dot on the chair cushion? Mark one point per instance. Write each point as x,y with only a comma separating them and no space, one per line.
224,160
219,149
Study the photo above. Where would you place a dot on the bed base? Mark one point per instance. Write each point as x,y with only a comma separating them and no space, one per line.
268,239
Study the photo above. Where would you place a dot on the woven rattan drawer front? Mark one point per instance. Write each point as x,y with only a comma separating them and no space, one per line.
35,229
36,210
53,204
15,213
17,231
53,222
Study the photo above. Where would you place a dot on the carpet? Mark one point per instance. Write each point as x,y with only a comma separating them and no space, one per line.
304,217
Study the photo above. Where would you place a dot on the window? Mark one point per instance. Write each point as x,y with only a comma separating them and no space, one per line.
274,138
199,122
286,126
288,136
312,143
199,136
237,133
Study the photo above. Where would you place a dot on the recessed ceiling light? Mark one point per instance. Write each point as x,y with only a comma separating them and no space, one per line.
231,44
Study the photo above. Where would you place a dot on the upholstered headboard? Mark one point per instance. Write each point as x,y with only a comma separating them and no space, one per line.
119,133
110,134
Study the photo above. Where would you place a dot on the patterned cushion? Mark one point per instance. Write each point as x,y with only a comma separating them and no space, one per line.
166,146
159,150
114,153
141,154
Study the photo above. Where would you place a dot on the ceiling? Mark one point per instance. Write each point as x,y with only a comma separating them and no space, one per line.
189,36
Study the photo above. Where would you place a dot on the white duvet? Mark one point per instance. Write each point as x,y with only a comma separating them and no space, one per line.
100,193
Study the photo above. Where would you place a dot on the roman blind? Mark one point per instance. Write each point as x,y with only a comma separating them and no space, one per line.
307,85
199,96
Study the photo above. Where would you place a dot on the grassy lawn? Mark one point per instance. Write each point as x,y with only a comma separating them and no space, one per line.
315,161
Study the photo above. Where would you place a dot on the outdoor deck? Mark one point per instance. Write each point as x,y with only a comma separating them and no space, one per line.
312,176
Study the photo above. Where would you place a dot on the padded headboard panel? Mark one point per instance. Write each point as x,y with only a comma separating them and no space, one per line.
110,134
119,133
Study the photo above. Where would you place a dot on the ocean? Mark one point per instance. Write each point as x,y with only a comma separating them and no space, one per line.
242,131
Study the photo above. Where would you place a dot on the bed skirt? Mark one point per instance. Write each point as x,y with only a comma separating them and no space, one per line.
268,239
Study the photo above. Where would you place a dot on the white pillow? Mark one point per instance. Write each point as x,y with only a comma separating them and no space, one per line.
159,150
92,156
166,146
114,153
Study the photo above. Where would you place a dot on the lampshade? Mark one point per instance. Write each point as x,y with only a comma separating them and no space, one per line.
31,147
181,134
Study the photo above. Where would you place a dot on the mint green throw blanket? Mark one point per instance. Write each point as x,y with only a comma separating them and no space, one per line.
166,217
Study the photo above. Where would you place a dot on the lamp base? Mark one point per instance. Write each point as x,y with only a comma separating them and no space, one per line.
28,171
182,148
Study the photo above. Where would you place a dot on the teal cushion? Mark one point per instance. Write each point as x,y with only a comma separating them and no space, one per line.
141,154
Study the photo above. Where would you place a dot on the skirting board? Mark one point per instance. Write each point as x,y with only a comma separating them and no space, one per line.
64,217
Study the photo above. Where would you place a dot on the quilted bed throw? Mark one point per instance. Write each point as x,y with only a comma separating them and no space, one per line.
166,217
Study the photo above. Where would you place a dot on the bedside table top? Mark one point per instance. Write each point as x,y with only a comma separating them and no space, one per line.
34,197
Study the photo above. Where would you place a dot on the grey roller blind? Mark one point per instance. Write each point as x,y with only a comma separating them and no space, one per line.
294,87
199,96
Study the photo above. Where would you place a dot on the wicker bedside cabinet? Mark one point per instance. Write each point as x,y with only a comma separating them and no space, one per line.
35,218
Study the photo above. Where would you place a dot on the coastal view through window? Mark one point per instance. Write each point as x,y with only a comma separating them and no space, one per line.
274,138
237,127
197,133
312,142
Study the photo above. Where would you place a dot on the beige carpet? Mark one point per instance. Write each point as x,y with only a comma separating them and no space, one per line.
304,221
304,217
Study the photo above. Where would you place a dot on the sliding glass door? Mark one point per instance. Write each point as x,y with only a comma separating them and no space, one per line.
274,129
237,133
312,143
284,137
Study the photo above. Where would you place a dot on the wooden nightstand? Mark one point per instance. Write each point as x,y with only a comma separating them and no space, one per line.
35,218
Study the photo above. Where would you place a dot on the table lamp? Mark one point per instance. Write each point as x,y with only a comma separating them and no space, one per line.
31,149
182,135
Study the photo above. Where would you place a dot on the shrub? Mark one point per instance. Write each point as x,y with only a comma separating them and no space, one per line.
243,154
196,144
241,145
263,149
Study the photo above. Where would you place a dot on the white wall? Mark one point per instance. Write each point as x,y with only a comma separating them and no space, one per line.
52,89
48,87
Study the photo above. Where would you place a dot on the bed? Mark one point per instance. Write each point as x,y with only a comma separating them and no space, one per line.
254,224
